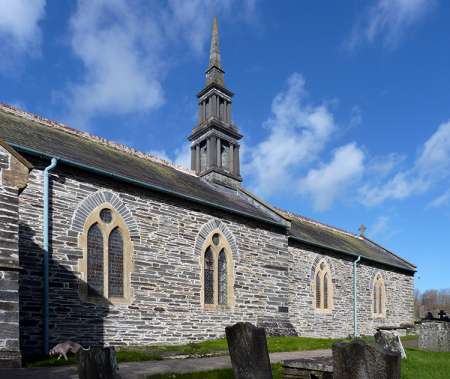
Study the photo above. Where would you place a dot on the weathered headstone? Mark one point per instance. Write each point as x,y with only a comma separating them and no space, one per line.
248,351
390,340
359,360
307,368
97,363
434,336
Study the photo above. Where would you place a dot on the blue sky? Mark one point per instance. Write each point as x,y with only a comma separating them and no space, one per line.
344,105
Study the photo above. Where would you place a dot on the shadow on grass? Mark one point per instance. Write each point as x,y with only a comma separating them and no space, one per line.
277,372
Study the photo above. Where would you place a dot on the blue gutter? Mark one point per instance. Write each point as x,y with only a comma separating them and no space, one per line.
46,251
355,300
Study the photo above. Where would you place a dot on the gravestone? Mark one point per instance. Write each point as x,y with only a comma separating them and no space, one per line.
97,363
390,340
359,360
248,351
434,336
307,368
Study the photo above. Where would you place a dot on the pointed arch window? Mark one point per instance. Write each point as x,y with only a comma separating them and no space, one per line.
106,263
379,296
323,287
217,267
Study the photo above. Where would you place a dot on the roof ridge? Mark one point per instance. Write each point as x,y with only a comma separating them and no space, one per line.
91,137
388,251
312,221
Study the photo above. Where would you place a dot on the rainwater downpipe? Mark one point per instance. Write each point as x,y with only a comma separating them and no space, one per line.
46,250
355,301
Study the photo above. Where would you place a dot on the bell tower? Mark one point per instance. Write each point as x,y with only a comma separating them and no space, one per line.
215,139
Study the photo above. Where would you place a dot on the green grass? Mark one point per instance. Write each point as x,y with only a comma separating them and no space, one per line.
418,365
277,372
425,365
199,349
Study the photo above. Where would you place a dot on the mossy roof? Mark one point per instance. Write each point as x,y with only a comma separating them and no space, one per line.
30,133
26,132
317,234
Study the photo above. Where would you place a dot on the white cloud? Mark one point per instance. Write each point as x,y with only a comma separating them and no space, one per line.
325,183
191,20
183,156
435,157
125,49
430,168
297,134
118,47
20,32
401,186
389,20
380,226
440,201
382,166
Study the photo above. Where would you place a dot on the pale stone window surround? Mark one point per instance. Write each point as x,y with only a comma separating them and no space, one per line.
204,236
106,228
322,275
216,249
378,296
96,199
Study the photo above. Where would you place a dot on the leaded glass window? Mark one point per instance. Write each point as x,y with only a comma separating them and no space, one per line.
115,261
106,215
107,260
209,277
222,284
217,281
95,261
325,291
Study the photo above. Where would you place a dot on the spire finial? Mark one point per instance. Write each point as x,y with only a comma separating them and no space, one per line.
214,53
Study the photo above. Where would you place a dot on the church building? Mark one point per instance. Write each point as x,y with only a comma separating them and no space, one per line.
104,245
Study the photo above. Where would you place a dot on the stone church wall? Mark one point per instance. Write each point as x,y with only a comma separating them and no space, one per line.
339,322
166,276
9,265
272,282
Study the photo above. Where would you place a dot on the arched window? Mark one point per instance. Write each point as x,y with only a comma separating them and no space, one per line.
379,296
209,276
115,252
222,279
106,263
95,260
217,287
323,287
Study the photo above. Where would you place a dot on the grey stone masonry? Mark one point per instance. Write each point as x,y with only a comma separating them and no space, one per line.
339,321
434,336
166,267
9,261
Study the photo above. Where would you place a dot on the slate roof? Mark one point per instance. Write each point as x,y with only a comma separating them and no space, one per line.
26,133
31,134
321,235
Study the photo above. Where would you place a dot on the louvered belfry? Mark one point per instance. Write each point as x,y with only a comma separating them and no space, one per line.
215,139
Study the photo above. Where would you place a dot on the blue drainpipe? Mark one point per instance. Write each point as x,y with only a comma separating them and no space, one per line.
46,252
355,300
